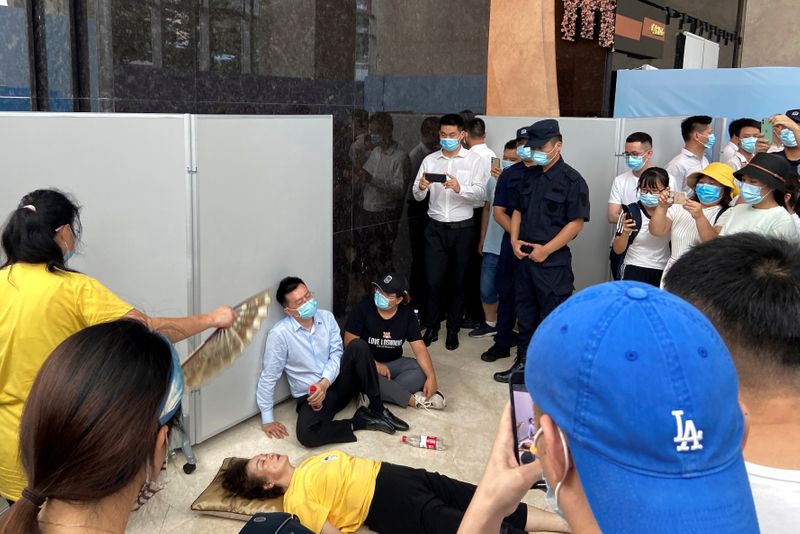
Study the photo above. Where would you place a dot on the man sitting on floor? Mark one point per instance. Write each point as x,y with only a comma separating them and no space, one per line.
307,345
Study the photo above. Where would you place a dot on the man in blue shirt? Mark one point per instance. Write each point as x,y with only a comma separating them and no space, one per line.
307,345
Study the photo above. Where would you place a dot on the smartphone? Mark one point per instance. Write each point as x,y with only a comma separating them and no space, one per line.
527,249
678,197
435,177
766,130
522,425
496,163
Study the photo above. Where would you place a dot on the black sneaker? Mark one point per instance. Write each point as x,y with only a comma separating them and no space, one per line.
495,353
484,330
470,324
451,343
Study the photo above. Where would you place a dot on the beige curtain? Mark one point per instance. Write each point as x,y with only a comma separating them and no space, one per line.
521,71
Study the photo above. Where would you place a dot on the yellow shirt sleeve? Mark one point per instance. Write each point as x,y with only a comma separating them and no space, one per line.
97,304
312,514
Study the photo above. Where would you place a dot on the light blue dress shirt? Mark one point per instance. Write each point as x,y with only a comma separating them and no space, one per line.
494,232
307,357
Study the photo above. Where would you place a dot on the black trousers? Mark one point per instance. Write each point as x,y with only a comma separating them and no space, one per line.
447,250
540,288
472,283
643,274
410,500
357,374
506,308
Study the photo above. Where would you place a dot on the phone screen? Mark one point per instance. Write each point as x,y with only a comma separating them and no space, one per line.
766,130
523,427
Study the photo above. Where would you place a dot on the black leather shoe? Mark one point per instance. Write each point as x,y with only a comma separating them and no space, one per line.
470,324
430,335
374,421
518,365
392,419
451,343
495,352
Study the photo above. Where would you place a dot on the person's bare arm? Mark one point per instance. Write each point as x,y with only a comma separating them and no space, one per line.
426,364
660,224
484,225
179,328
502,218
613,212
327,528
348,337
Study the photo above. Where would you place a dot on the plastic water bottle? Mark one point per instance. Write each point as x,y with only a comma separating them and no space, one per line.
424,442
315,407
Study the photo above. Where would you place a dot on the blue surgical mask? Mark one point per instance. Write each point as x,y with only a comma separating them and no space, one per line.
649,200
68,254
504,164
788,138
540,158
376,139
751,194
711,140
381,301
749,144
707,193
307,310
524,152
634,163
449,144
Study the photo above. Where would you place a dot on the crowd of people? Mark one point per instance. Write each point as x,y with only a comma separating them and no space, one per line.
665,401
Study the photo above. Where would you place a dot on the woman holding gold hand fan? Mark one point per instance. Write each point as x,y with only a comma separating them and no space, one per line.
44,302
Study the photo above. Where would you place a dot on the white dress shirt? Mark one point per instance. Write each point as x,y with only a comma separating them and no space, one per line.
682,166
728,151
736,162
445,205
388,170
486,154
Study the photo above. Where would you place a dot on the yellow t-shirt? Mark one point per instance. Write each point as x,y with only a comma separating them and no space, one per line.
38,310
333,487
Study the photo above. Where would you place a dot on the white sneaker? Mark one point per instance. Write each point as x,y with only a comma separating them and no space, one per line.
436,402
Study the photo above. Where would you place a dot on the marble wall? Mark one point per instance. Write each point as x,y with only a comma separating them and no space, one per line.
347,58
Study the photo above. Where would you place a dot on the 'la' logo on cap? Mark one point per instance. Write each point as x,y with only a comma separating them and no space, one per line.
686,433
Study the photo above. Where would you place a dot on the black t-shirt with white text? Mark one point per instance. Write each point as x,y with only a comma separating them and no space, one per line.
384,337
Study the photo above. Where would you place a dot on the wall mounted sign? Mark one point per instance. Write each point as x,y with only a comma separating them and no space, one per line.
640,29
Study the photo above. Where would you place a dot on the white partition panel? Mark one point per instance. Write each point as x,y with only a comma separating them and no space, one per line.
666,134
128,172
589,147
264,211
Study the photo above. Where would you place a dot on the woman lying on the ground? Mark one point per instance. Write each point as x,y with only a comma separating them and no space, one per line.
334,492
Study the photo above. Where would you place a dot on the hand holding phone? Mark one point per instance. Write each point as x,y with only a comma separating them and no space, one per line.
677,197
522,423
766,130
496,163
433,177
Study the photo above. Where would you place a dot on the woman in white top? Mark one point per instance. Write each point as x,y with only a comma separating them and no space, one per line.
696,220
761,209
645,254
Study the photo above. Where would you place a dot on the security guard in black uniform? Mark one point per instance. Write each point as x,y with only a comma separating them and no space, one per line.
552,207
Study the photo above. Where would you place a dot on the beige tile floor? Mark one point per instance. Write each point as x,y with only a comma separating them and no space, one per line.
468,426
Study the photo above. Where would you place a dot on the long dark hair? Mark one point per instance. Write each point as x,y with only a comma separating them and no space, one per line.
29,233
90,423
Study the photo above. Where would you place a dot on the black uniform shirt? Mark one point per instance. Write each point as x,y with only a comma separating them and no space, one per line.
549,200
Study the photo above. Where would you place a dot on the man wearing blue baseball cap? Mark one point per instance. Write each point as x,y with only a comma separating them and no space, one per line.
638,426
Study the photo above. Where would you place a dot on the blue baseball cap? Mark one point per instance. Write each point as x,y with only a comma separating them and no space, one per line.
647,396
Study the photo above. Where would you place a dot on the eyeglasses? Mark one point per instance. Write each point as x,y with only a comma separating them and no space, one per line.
387,296
652,191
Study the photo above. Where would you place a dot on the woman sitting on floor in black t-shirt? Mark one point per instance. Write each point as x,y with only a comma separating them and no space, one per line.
385,325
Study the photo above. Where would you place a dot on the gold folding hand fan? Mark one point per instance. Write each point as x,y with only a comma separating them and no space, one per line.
225,344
